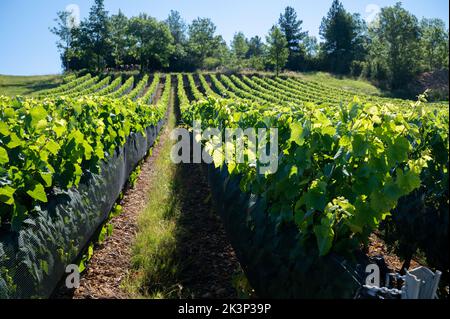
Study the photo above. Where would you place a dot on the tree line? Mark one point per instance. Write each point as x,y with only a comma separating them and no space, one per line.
390,51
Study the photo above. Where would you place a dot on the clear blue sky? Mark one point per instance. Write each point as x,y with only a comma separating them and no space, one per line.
28,48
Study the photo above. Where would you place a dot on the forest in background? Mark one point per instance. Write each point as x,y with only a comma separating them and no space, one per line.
391,51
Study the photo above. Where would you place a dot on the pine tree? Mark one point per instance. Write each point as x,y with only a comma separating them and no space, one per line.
97,30
292,30
341,32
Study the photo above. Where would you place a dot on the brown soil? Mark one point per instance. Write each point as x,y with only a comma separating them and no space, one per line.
377,247
209,261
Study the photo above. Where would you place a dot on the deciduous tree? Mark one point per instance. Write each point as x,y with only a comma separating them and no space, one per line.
397,35
434,44
120,39
63,30
202,40
239,48
152,41
278,52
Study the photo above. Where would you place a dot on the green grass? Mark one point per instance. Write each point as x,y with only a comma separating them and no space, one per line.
154,266
11,85
346,83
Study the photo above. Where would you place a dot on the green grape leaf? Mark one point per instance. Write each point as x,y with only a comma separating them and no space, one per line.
37,192
297,133
37,114
47,178
408,181
52,147
359,145
14,142
88,150
9,112
399,150
324,236
217,158
6,195
59,130
4,158
4,129
315,198
328,130
78,172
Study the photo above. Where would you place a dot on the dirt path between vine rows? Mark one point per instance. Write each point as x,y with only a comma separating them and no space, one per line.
208,262
110,263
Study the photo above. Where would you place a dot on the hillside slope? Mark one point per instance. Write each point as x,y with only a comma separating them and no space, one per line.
27,85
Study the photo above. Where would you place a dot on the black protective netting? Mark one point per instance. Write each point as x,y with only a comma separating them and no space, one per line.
33,261
275,263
